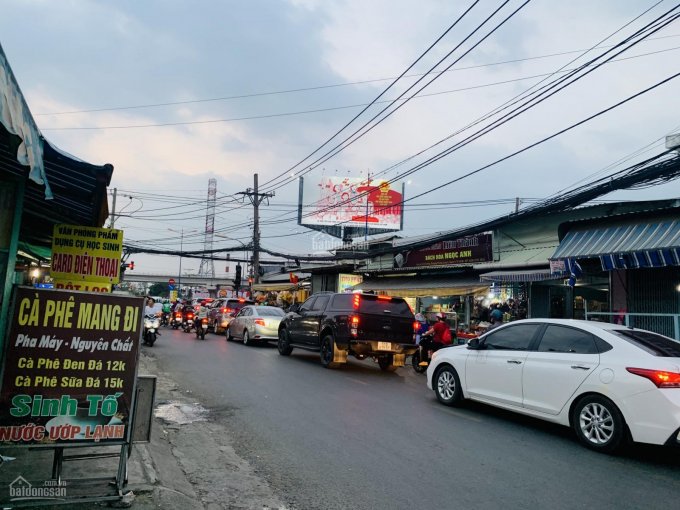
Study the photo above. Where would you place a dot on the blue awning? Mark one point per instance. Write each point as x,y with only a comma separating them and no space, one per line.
624,246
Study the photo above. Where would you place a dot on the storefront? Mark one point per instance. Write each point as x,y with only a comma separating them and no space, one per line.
40,186
630,264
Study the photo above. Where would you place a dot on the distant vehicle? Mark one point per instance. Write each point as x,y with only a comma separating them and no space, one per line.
363,325
609,383
222,310
255,323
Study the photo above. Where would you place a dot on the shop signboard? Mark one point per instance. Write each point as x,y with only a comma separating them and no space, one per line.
462,251
347,281
86,255
351,202
69,368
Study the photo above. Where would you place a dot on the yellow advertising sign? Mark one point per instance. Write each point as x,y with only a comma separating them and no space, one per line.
82,286
86,254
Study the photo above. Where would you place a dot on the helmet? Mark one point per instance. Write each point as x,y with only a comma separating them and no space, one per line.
497,314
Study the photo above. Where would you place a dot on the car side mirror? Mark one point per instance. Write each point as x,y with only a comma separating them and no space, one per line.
474,344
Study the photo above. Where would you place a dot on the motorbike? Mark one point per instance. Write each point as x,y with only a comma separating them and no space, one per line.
201,327
151,323
165,318
188,321
176,320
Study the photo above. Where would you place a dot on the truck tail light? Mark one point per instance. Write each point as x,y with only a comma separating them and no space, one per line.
416,326
356,301
354,325
259,322
661,378
384,298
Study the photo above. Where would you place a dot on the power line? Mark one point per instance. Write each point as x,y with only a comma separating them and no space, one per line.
316,87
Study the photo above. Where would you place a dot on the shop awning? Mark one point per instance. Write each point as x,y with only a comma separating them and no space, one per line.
423,286
525,275
638,245
274,287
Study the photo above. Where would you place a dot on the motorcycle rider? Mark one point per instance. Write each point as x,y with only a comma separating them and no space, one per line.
435,338
150,310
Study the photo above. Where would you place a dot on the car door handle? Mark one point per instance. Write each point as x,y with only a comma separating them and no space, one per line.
580,367
515,361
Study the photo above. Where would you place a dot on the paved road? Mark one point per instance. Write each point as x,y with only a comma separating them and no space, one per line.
362,439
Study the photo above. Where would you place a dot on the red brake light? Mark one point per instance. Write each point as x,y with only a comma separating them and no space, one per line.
259,322
204,320
660,378
241,300
385,298
356,301
416,326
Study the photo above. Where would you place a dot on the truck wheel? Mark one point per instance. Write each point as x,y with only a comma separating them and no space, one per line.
327,349
284,343
385,362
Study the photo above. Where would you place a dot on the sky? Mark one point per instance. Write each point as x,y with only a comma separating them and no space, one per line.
174,93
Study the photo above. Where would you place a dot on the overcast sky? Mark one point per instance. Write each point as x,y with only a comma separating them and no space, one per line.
115,57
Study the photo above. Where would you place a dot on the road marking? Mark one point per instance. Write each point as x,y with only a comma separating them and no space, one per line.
357,381
448,410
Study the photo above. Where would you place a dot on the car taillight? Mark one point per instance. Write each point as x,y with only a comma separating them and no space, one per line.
356,301
660,378
259,322
384,298
416,326
354,325
226,310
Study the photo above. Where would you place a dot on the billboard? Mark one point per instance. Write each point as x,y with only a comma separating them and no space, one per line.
362,203
462,251
69,368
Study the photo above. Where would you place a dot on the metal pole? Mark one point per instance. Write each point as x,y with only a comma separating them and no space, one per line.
113,208
256,234
366,198
179,277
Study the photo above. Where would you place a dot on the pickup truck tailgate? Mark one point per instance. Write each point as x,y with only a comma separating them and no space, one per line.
385,319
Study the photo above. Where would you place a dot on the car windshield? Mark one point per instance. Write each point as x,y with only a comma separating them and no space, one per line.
269,312
654,344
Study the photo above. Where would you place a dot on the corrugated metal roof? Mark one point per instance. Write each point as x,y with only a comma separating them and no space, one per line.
406,286
618,239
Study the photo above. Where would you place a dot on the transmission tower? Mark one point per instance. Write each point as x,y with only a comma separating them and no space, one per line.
207,267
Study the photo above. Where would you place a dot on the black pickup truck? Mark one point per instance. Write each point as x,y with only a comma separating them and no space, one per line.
363,325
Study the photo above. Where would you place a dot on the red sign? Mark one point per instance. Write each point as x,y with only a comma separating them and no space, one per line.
171,281
465,250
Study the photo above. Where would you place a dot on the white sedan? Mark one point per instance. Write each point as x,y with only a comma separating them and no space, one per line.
609,383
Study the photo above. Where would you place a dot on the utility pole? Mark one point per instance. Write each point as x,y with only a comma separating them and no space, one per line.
256,198
113,208
517,202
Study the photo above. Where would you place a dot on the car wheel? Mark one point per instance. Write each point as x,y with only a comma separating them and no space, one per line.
284,343
447,386
386,364
246,337
327,349
599,424
228,334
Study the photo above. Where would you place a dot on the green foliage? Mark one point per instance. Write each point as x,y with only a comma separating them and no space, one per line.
159,289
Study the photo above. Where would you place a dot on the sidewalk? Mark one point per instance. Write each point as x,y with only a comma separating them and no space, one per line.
189,463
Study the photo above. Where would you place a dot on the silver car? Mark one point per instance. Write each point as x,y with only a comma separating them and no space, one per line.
255,323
